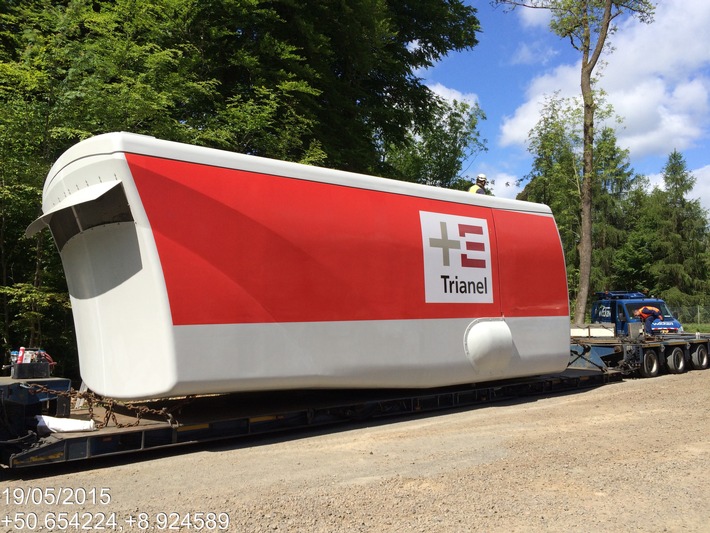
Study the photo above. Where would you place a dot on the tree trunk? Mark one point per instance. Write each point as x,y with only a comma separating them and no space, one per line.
589,61
35,325
585,240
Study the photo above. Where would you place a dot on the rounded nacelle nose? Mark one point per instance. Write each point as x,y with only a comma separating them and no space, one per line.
488,343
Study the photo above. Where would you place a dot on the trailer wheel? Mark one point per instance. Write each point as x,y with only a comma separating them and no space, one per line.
676,361
649,364
699,358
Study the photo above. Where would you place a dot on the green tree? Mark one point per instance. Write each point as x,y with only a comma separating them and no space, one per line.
277,79
667,252
155,68
364,56
555,176
586,24
614,183
683,230
556,180
260,93
435,155
33,296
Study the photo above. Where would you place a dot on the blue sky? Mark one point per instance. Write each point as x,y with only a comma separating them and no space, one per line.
657,79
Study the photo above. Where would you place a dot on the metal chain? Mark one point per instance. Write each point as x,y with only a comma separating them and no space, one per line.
108,404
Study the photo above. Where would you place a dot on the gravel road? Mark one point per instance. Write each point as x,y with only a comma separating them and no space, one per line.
629,456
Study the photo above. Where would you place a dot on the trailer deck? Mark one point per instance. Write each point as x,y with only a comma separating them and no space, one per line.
132,428
649,354
126,428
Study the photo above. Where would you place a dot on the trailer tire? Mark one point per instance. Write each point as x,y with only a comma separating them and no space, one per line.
699,358
676,361
650,365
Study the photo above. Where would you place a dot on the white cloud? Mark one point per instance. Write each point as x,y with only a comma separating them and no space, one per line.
452,94
533,53
656,79
670,46
515,129
534,18
655,181
701,190
505,185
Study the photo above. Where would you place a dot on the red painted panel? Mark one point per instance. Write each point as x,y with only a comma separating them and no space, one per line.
244,247
533,279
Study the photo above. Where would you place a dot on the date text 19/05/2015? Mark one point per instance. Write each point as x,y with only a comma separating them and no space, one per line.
24,496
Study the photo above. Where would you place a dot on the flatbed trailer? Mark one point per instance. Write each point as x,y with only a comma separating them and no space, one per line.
648,355
123,428
132,428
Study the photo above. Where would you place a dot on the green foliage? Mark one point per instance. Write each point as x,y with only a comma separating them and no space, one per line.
362,58
631,262
434,155
654,241
555,177
31,305
567,15
614,182
695,326
674,235
556,180
33,297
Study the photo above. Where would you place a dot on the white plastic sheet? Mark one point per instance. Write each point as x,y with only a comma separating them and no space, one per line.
51,424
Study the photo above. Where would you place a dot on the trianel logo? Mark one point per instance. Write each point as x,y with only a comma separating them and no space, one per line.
457,259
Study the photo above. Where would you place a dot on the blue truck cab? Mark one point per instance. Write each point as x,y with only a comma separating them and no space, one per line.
617,307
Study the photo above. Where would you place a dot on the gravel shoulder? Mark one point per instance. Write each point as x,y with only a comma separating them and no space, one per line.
629,456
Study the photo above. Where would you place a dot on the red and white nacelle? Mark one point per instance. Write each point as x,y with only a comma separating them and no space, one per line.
195,271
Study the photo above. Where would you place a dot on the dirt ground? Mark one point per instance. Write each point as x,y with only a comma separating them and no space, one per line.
629,456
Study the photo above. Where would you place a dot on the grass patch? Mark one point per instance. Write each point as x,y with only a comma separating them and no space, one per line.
690,327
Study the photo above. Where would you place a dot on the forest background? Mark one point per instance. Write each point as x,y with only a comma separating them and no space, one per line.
322,82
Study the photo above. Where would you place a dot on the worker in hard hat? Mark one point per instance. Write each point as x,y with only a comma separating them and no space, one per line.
480,186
